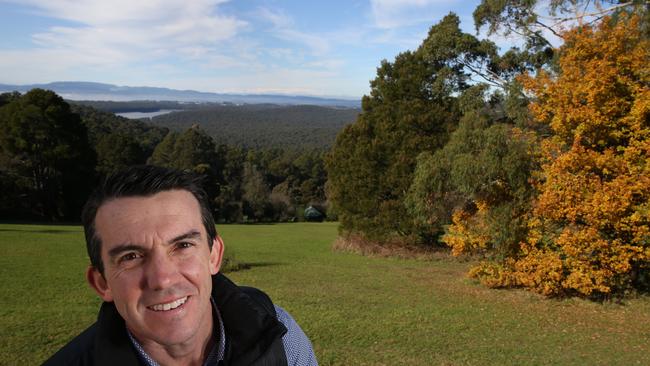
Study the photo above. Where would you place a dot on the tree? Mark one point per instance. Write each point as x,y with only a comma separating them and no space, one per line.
163,153
524,18
101,124
117,151
46,144
6,98
228,203
256,192
195,150
590,224
536,22
411,108
481,176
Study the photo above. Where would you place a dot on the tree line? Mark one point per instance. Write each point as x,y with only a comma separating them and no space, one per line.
535,159
53,153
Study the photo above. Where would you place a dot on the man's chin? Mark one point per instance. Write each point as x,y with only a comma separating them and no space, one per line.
167,336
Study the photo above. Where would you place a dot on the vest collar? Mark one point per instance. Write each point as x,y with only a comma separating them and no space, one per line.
251,330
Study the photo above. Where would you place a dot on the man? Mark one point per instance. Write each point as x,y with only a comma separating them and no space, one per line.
155,258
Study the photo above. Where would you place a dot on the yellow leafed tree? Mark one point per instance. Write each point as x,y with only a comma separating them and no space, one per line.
589,232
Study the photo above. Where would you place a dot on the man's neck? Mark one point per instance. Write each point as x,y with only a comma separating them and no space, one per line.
179,354
192,352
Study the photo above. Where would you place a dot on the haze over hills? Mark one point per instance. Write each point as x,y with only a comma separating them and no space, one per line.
74,90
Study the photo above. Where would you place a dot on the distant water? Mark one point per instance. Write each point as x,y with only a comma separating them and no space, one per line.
140,115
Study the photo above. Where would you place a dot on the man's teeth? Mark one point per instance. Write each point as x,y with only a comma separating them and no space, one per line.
169,305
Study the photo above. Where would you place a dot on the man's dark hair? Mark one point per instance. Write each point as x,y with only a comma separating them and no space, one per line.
141,180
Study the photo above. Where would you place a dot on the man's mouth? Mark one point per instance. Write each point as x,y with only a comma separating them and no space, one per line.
169,306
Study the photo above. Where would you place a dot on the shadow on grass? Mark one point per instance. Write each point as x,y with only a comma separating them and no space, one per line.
263,264
239,266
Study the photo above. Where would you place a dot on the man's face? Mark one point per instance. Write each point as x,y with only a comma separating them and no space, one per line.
157,266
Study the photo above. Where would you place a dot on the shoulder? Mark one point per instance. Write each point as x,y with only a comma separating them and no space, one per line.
260,297
296,344
103,343
78,351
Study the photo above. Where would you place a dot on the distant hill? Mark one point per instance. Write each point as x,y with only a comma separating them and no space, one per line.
264,125
74,90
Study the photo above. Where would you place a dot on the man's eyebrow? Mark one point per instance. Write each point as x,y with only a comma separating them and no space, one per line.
114,252
192,234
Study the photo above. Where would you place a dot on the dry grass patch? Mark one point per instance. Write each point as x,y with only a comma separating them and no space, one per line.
392,249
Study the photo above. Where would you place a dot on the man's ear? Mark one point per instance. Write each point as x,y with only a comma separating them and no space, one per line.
97,281
216,255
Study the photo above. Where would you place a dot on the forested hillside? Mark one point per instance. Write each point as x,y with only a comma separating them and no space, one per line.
264,125
52,154
247,125
135,105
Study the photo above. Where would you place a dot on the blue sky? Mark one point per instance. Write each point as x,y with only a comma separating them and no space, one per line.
324,48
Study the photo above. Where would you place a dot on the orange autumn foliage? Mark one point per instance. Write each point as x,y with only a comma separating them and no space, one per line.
469,233
592,213
589,232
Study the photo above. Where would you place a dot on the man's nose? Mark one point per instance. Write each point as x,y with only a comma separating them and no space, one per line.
160,271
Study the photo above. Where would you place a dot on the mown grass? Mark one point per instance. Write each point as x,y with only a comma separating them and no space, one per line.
356,310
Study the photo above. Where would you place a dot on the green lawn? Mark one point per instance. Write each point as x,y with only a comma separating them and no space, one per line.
356,310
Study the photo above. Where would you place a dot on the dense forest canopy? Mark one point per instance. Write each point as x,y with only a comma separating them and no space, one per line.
264,125
248,125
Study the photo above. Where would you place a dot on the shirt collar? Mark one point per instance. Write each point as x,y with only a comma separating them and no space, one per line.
216,353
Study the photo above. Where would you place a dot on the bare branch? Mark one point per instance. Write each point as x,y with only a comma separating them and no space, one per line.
558,20
586,6
549,29
486,75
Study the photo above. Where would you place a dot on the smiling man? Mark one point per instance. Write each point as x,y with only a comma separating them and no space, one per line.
155,258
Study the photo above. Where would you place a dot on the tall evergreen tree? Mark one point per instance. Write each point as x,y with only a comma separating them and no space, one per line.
117,151
194,149
46,145
412,107
163,153
256,192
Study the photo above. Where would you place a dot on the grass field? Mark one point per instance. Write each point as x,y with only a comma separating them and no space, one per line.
356,310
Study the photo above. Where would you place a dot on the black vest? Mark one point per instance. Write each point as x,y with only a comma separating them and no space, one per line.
253,333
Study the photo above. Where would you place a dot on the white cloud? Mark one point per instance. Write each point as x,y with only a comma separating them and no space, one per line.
122,31
283,28
41,65
326,64
99,12
194,44
278,18
389,14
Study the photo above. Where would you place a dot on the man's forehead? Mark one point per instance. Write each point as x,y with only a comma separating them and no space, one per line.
165,213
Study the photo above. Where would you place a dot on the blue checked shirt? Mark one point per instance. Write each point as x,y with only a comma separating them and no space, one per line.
296,344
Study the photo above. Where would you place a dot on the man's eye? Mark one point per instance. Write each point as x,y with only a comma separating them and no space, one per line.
184,245
129,257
